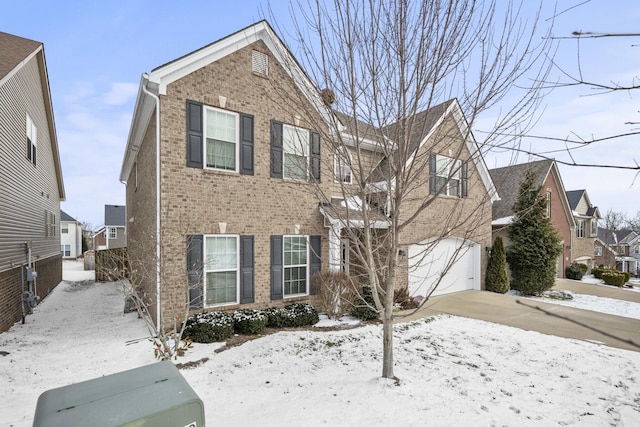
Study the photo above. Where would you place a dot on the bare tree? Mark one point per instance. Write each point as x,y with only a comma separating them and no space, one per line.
612,222
404,82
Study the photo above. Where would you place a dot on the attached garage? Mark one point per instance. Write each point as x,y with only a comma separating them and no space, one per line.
451,264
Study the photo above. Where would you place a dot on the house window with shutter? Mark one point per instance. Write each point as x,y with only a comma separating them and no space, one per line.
221,264
295,146
295,258
448,176
594,227
32,140
259,63
342,165
221,136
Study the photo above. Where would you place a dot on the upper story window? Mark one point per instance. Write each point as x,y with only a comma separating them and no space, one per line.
295,150
64,228
221,278
594,227
580,228
636,249
342,165
50,226
32,140
259,63
221,135
448,176
113,232
548,198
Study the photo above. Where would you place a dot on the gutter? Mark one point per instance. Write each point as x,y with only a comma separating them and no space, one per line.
145,77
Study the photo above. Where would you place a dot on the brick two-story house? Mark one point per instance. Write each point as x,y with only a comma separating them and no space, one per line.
31,186
217,198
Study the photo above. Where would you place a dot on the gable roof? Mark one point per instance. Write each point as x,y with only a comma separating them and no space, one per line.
66,217
114,216
156,82
15,52
574,197
508,179
423,125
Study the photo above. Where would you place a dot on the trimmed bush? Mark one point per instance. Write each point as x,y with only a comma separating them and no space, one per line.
574,271
583,267
291,316
627,276
249,322
209,327
613,278
363,310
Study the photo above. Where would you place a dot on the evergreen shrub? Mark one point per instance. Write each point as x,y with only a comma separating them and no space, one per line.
574,271
209,327
292,315
364,310
613,278
496,278
249,322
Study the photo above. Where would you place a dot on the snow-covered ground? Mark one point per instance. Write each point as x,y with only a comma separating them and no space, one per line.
453,371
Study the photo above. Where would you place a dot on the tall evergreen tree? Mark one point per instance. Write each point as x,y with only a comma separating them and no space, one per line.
535,245
496,279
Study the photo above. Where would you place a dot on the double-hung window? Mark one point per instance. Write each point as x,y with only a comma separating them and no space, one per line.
221,263
66,250
295,147
64,228
295,265
32,139
448,176
594,227
580,228
342,165
113,232
221,135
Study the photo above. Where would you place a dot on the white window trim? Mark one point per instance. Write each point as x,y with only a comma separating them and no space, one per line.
307,154
594,227
580,229
452,163
342,156
284,267
205,270
115,230
64,228
597,251
32,134
204,139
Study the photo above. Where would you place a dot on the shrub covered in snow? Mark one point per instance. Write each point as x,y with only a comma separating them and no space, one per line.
209,327
249,322
292,315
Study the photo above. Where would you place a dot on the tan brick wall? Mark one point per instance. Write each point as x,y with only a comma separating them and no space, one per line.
466,218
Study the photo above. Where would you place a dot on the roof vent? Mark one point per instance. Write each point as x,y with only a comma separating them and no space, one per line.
259,63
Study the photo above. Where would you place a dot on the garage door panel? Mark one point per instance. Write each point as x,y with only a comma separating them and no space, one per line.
449,265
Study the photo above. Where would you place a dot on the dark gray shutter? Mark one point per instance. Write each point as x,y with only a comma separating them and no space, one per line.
315,156
277,268
276,149
34,154
464,183
195,270
246,270
29,148
194,134
432,174
246,144
315,260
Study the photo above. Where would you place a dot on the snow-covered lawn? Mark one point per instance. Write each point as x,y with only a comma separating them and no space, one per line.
453,371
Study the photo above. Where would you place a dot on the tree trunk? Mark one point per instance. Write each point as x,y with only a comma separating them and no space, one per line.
387,344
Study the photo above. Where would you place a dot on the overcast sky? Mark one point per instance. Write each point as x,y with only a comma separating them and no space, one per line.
96,52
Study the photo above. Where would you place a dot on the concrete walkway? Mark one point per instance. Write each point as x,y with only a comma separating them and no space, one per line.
506,310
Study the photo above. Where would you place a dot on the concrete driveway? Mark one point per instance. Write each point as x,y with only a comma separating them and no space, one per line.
506,310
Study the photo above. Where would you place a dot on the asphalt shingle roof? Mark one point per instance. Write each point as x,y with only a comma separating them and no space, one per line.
14,50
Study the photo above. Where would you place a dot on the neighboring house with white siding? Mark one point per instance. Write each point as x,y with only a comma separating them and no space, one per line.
31,186
70,236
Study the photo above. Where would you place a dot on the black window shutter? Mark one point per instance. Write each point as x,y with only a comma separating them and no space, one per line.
195,269
315,156
465,180
315,260
277,268
246,144
194,134
29,148
34,155
432,174
246,270
276,149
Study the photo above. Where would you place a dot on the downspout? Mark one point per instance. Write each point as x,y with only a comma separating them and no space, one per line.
157,100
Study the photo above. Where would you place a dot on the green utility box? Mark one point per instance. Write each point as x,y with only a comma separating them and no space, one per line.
153,395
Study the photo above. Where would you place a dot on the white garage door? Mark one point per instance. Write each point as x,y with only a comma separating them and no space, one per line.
451,264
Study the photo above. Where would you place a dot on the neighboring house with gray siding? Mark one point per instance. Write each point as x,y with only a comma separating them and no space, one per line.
114,232
71,231
31,186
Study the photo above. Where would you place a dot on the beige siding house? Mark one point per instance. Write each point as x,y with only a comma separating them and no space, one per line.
222,212
586,217
31,186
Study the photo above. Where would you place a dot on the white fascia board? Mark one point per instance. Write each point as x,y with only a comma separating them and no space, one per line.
142,114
